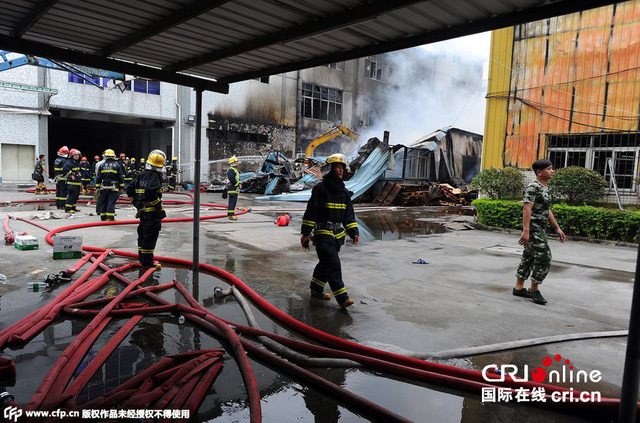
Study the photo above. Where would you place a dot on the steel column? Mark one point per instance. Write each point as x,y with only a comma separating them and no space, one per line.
196,194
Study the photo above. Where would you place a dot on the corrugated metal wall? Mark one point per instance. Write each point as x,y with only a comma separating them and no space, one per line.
573,74
495,129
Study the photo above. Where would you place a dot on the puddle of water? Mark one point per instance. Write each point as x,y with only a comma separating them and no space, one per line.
389,226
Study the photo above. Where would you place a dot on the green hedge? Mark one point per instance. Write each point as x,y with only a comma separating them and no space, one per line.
582,221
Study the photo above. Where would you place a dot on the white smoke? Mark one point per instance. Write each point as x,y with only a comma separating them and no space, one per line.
431,87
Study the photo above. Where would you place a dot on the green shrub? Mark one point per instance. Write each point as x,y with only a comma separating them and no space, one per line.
577,185
500,213
499,183
582,221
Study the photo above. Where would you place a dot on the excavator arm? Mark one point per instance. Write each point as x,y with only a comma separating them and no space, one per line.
332,133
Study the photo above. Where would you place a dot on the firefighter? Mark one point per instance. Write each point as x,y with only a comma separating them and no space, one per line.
61,180
40,172
145,192
233,187
329,215
110,181
172,174
121,160
141,165
134,166
95,177
129,172
71,171
86,174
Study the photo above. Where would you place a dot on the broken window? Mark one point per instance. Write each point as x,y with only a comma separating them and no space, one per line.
336,65
375,67
594,151
321,103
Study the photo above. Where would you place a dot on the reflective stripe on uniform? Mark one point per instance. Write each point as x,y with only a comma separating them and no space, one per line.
154,202
309,223
341,206
74,183
149,209
330,233
108,171
139,190
143,251
233,192
351,225
318,282
340,291
323,232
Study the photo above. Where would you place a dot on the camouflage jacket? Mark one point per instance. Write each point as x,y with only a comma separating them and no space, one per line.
538,194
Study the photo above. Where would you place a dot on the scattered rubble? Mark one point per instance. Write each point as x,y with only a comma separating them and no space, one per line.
427,193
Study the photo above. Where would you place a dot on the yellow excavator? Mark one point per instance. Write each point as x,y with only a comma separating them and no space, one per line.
332,133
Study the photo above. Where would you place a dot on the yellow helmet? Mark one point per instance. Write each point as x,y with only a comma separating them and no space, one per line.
133,160
337,158
175,159
109,153
156,159
233,159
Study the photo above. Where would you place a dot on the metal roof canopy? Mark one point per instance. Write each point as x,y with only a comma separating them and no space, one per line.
208,44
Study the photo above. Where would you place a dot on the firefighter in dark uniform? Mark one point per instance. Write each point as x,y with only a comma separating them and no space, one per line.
86,174
233,187
145,192
71,171
172,174
110,181
61,181
134,167
129,172
329,215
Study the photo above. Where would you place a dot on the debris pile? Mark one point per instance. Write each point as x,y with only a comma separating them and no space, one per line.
428,193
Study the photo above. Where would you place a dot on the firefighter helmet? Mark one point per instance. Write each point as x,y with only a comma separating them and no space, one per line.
175,159
133,160
141,159
74,151
337,158
233,159
96,157
83,158
63,151
109,153
156,160
122,155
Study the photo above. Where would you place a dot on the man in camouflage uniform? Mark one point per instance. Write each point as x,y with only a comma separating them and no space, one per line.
536,257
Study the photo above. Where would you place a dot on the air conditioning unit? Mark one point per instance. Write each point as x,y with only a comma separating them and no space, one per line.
191,119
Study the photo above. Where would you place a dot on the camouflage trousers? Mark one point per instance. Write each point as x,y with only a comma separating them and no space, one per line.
536,257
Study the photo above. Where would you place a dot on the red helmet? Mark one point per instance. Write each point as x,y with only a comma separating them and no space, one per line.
74,152
84,158
96,157
63,151
122,155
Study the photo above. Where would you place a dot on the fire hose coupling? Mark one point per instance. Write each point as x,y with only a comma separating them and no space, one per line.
218,292
56,279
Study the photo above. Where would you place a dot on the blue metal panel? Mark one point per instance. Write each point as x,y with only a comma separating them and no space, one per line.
362,180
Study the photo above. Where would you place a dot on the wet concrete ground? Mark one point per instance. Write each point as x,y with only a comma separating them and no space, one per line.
462,298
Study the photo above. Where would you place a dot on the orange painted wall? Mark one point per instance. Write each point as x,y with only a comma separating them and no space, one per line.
577,73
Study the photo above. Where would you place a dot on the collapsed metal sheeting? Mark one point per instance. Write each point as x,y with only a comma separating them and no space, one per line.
370,171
